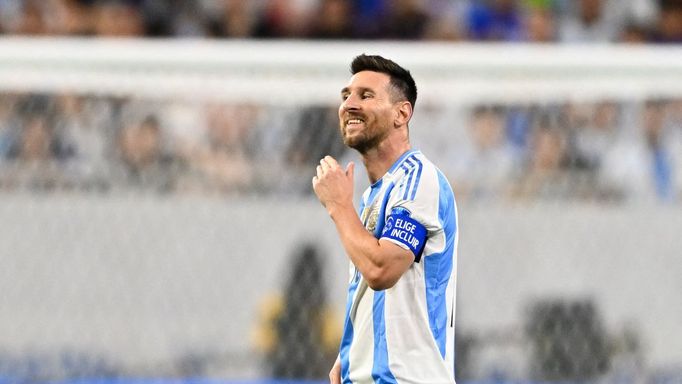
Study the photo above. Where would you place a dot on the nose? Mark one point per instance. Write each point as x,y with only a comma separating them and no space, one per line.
350,104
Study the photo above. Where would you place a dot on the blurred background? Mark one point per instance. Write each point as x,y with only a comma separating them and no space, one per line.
157,223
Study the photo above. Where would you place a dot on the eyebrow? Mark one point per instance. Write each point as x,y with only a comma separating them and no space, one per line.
361,89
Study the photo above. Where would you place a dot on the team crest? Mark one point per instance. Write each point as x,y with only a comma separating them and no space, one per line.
369,218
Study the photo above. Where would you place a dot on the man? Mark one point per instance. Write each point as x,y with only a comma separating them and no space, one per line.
399,325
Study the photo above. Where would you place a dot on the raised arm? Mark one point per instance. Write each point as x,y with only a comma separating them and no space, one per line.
381,262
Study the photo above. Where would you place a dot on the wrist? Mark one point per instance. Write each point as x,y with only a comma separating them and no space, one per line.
337,210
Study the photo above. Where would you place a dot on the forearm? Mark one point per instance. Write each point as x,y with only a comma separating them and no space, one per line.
379,262
362,247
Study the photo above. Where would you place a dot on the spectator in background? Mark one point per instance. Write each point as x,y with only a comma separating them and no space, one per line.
634,33
334,20
172,18
144,163
405,20
36,142
593,129
674,125
661,158
602,130
73,17
519,123
494,20
585,143
37,18
539,24
190,20
36,154
485,165
283,19
118,19
445,20
642,168
367,12
82,122
544,175
232,19
9,124
669,28
32,21
588,21
221,162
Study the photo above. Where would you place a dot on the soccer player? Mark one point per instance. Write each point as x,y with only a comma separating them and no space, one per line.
399,325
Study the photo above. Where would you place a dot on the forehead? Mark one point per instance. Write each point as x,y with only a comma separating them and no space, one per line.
368,80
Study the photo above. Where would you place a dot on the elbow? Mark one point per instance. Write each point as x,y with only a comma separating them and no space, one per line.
379,285
378,279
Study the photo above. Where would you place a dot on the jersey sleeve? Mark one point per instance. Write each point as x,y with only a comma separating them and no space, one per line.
411,214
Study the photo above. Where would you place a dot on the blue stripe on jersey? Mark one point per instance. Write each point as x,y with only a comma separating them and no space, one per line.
347,339
416,180
406,167
412,162
438,266
375,188
381,373
400,160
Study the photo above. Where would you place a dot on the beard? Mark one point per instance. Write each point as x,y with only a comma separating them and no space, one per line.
366,140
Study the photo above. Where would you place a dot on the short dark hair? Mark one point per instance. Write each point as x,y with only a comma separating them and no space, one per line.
401,79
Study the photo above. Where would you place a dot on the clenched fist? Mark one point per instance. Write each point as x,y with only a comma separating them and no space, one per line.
332,184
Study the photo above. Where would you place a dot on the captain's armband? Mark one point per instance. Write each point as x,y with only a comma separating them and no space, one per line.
401,228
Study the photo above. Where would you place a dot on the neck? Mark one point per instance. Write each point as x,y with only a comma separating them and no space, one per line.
379,159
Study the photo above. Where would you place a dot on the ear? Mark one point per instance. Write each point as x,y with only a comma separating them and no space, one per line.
403,113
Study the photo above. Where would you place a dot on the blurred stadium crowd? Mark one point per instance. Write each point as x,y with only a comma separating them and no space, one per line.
658,21
604,150
588,151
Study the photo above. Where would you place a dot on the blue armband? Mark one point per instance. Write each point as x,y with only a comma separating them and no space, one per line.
405,230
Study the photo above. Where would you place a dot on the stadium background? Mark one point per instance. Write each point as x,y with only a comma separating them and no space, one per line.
155,164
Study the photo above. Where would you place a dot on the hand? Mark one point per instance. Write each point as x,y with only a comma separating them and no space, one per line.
333,185
335,373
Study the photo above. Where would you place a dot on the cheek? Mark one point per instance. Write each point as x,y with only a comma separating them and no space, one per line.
387,116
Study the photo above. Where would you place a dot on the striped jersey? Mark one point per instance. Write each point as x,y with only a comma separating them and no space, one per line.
405,334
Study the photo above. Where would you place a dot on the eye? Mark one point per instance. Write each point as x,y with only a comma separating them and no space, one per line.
367,95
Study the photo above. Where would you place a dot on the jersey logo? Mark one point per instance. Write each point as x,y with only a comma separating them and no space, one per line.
370,215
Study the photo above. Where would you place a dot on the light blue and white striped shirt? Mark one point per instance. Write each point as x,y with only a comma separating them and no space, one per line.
405,334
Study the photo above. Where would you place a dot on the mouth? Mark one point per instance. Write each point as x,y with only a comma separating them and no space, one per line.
354,122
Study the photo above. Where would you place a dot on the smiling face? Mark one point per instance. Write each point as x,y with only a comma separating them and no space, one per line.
368,112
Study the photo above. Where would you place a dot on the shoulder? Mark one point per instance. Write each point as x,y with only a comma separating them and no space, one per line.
421,187
418,175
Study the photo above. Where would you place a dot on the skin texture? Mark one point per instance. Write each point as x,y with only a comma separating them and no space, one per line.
373,119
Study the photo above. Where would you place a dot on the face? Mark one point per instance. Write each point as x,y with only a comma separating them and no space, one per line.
366,114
